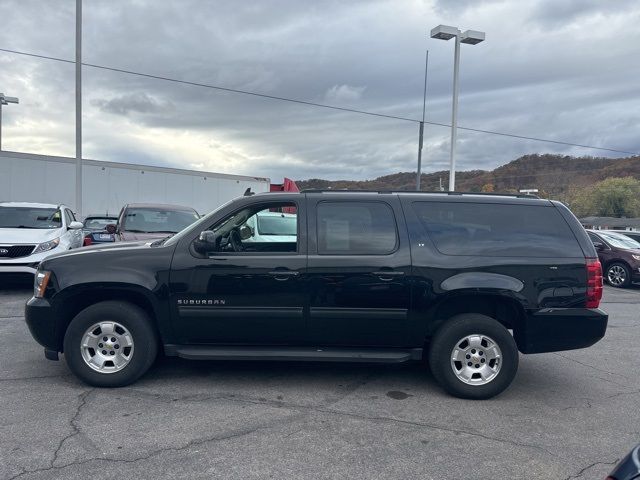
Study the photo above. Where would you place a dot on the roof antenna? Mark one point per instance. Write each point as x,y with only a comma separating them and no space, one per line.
248,192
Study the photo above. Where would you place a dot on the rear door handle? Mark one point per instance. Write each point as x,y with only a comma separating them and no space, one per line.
283,274
387,276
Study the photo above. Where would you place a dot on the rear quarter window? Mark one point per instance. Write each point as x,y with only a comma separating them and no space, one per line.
497,230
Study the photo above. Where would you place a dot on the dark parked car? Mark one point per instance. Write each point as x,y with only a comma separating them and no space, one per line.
628,468
619,256
149,221
99,229
361,277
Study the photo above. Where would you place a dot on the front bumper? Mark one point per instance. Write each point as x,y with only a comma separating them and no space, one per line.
41,320
556,329
28,264
15,267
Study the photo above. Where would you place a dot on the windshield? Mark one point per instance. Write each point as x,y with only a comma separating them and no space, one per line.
619,241
151,220
30,217
96,223
276,225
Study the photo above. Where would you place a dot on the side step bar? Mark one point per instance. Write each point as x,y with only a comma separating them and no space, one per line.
300,354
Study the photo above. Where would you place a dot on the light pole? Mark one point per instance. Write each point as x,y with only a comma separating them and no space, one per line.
4,101
79,108
472,37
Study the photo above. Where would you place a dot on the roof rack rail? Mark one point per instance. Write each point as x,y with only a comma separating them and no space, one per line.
489,194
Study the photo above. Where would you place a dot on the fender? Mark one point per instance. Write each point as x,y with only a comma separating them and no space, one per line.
483,280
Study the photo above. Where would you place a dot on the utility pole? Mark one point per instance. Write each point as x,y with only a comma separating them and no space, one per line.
421,130
79,108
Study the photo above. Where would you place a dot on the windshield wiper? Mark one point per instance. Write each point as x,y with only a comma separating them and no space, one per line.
162,231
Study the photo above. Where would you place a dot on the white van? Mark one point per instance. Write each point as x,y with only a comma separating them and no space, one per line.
30,232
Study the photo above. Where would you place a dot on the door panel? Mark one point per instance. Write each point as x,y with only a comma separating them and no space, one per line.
358,299
248,297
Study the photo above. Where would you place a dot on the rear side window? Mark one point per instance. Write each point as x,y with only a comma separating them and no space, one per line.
497,230
356,228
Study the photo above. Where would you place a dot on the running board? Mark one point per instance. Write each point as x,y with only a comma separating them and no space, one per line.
300,354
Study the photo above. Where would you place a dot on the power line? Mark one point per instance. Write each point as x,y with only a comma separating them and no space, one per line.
315,104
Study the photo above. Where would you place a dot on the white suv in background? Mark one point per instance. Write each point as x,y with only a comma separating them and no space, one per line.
30,232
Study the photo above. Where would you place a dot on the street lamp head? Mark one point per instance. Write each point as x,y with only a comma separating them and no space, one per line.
444,32
7,100
472,37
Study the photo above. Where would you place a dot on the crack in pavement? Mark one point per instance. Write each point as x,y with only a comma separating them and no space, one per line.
589,366
624,393
75,430
581,472
153,453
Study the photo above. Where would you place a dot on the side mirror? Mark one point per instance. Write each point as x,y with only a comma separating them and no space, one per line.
75,226
599,246
111,228
207,242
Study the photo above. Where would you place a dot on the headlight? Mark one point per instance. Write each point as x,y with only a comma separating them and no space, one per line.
637,257
46,246
40,283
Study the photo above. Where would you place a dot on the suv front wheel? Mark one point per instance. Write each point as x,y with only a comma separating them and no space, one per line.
110,344
473,356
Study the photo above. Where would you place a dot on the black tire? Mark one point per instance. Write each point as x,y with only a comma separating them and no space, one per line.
627,275
448,336
133,319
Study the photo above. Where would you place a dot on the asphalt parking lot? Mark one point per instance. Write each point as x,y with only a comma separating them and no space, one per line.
567,415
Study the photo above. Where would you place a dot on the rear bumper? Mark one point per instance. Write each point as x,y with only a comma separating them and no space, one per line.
42,324
556,329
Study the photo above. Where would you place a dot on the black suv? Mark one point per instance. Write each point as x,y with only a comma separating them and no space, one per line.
357,277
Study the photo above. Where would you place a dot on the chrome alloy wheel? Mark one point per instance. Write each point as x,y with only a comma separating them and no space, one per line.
616,275
107,347
476,359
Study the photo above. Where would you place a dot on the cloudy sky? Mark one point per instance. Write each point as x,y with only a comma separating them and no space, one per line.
560,69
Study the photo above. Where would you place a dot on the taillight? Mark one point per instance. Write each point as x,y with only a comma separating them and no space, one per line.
594,283
87,241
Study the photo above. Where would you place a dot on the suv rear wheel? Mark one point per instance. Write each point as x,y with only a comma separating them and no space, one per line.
473,356
618,275
110,344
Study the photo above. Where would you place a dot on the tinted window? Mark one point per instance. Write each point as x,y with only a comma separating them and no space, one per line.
490,229
361,228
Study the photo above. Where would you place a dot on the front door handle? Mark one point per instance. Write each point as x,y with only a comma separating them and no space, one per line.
283,274
387,276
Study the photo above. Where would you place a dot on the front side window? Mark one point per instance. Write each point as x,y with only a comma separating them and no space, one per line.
260,228
496,229
356,228
28,217
157,220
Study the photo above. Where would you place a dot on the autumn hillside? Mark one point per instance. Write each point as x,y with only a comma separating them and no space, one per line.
556,175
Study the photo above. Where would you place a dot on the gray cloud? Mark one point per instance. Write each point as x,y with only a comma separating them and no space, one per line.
138,102
544,71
